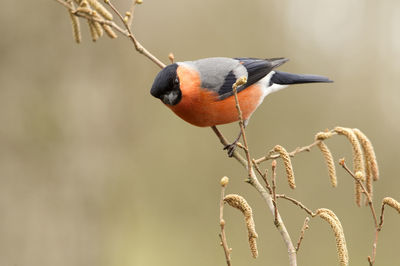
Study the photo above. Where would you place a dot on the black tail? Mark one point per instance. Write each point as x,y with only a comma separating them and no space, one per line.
284,78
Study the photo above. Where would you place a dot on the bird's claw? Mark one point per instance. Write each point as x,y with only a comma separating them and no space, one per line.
231,148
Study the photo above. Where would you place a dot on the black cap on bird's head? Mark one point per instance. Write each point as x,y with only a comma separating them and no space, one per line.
166,86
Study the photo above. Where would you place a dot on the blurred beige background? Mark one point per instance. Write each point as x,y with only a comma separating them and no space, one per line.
94,171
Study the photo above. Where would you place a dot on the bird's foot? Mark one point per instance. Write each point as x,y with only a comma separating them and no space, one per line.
231,148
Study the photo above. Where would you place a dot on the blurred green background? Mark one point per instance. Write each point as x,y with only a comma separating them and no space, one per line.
95,171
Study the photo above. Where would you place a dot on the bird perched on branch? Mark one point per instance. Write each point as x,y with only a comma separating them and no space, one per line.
200,92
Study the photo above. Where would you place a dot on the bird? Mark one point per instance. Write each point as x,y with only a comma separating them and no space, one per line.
200,92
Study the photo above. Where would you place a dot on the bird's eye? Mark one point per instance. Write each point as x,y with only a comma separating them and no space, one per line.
176,81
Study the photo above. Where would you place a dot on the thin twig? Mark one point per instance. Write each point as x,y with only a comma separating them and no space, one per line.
303,230
364,190
381,217
225,142
136,43
222,235
131,13
274,190
297,203
240,82
263,175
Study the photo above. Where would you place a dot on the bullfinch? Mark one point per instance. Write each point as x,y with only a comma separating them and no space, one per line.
200,92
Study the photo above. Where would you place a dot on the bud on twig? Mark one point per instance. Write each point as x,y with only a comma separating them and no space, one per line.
224,181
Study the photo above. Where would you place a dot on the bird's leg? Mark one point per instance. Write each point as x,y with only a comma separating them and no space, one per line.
232,147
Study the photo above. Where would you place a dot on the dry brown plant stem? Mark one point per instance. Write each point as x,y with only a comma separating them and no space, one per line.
222,235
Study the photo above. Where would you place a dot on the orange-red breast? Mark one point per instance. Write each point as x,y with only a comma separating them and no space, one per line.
200,92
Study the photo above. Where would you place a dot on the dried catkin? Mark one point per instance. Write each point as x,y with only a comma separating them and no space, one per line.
109,31
97,25
86,10
101,9
358,160
323,135
368,182
337,228
76,30
288,165
329,162
93,31
392,203
369,153
238,202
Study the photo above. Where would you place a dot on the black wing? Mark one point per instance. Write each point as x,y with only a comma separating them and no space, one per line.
256,70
